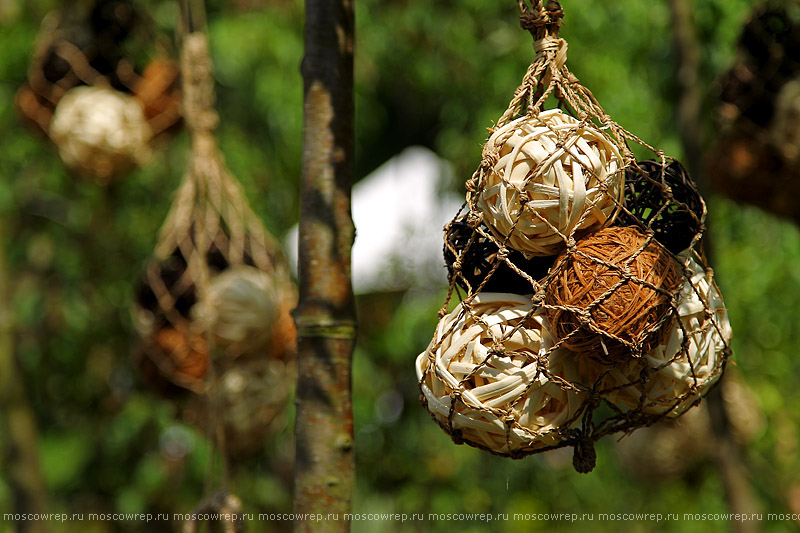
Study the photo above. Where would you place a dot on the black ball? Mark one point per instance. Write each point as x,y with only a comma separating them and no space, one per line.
479,254
664,199
172,273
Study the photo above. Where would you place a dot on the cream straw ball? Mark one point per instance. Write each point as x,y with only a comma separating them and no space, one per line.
511,397
552,176
100,132
239,309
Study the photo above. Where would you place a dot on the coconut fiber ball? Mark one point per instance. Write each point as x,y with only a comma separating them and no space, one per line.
488,380
611,295
551,176
173,360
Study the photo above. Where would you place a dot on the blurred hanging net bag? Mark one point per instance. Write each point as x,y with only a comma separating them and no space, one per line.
92,90
755,158
213,308
586,304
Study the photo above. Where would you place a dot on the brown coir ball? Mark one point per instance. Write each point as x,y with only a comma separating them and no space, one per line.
172,360
610,296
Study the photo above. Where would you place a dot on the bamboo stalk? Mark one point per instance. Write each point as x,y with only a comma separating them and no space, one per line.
325,317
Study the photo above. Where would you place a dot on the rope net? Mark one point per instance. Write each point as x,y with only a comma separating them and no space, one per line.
89,92
213,307
585,303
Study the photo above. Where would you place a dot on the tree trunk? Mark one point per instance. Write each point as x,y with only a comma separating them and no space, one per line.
325,317
690,89
20,434
728,452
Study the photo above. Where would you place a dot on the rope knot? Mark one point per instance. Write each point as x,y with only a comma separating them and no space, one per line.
498,349
572,79
585,457
490,159
571,246
474,219
538,297
547,44
555,46
543,19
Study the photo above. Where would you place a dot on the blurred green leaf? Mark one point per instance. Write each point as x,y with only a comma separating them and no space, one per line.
64,457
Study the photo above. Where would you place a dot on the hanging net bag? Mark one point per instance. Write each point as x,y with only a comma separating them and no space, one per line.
89,94
755,158
213,308
586,303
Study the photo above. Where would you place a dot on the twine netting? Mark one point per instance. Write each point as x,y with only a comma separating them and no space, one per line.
603,315
220,286
83,90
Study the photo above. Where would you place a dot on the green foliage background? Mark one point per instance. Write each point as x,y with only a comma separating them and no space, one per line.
431,73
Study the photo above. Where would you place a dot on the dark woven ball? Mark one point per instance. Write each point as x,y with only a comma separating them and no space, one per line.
479,256
167,277
664,199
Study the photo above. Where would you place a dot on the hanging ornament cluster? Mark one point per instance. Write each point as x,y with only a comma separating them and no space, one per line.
83,90
756,157
213,307
586,303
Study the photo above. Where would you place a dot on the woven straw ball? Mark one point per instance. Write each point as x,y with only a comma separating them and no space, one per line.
486,380
551,176
238,309
479,254
679,374
100,132
662,198
610,297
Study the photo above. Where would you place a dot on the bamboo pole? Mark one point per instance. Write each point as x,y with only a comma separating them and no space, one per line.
325,317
